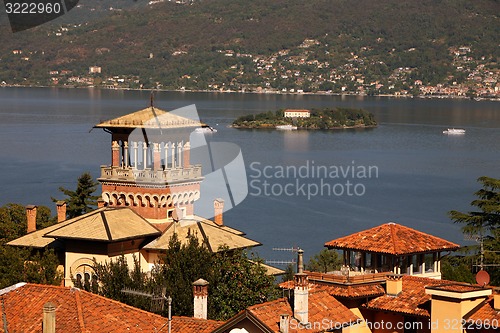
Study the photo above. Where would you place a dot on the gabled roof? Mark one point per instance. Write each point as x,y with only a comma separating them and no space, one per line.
206,231
150,117
392,238
323,308
107,225
81,311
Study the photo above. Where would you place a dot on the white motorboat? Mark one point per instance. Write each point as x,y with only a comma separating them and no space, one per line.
286,127
454,131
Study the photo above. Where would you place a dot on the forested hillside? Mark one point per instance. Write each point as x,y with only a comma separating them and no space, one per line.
284,45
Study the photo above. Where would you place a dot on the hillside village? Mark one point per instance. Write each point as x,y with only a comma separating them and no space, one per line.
299,71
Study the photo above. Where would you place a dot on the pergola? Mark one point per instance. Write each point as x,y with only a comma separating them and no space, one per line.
392,248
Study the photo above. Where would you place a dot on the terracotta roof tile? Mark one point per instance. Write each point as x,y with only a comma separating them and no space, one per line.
392,238
341,290
412,300
321,306
81,311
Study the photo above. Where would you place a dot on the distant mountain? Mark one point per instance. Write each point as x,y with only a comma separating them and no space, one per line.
287,45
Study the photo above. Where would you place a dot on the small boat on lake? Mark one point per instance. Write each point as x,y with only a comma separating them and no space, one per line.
286,127
454,131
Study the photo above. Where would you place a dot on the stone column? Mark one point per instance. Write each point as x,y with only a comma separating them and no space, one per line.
145,155
187,154
115,154
172,147
179,154
125,154
156,156
135,147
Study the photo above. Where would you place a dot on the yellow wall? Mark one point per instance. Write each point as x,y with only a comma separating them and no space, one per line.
446,313
74,261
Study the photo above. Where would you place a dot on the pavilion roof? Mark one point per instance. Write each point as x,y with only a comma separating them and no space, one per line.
392,238
150,118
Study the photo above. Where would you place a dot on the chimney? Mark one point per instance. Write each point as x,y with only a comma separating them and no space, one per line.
31,218
200,293
394,284
218,209
61,211
301,292
101,203
49,318
496,301
284,323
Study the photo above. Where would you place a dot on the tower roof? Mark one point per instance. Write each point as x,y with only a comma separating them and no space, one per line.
151,118
392,238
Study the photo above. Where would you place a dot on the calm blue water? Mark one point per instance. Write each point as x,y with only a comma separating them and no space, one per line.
422,174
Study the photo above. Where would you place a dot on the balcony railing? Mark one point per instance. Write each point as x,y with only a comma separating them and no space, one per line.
131,174
348,276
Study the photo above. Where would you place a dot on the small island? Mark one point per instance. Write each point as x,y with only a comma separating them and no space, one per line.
327,118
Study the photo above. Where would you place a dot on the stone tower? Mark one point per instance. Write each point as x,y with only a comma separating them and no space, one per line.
150,169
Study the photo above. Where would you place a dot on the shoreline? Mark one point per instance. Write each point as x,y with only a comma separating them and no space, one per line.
478,99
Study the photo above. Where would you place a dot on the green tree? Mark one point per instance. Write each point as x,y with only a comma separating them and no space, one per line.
81,200
484,225
237,283
487,218
325,261
179,267
114,276
457,268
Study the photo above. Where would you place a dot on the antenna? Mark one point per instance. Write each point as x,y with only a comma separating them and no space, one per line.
284,262
157,301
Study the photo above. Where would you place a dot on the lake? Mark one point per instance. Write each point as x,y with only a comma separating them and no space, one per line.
418,173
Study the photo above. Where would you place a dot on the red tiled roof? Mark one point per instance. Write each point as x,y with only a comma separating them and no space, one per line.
341,290
81,311
412,300
392,238
321,306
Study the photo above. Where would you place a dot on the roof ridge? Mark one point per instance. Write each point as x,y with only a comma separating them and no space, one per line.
393,236
79,308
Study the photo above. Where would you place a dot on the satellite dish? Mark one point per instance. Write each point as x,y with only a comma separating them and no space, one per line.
482,278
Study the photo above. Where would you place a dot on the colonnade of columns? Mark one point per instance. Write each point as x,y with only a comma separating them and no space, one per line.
152,155
406,264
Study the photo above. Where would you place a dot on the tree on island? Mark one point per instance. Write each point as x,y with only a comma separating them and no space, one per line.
81,200
483,225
